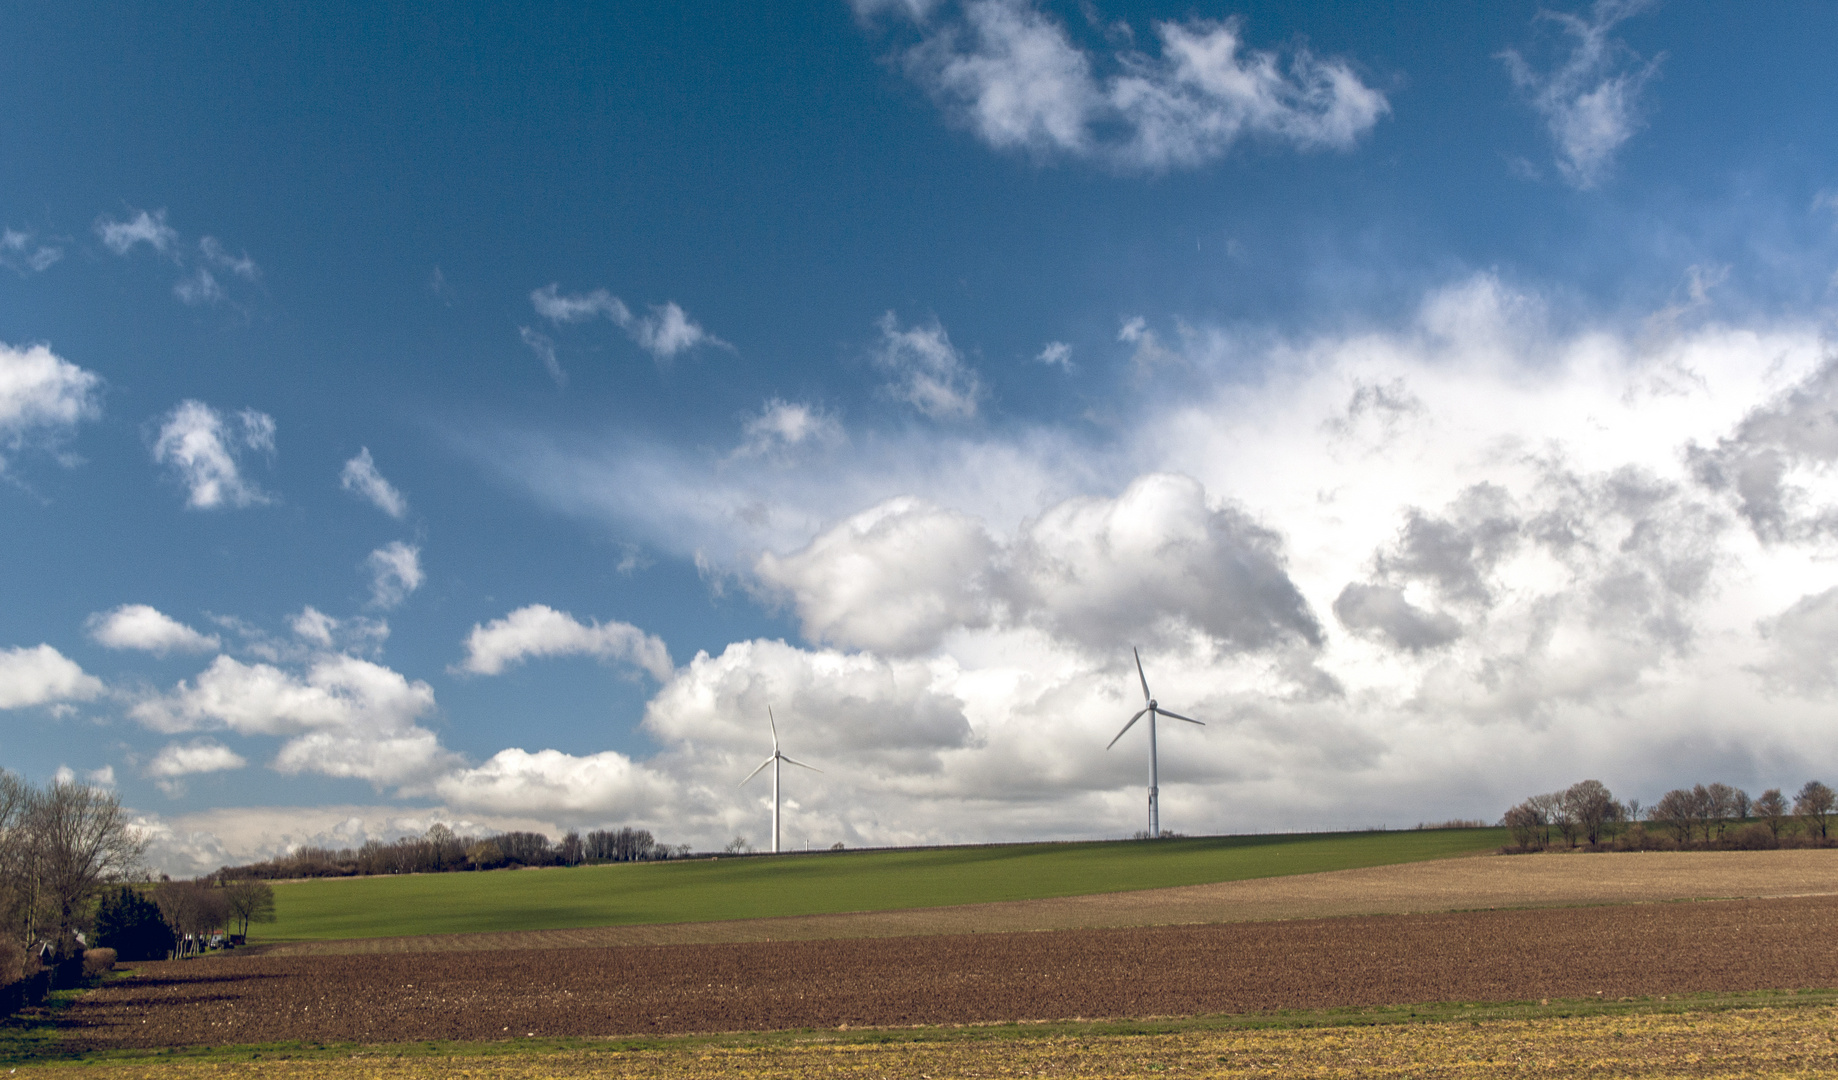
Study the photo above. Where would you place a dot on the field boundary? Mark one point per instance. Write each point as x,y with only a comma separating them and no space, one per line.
32,1044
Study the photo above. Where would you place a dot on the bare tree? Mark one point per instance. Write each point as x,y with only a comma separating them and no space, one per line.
572,850
1771,808
18,857
1814,804
1676,810
1549,809
1722,803
250,901
1590,806
83,842
1527,825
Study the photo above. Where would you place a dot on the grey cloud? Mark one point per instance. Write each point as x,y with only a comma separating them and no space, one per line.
1154,562
1801,428
1457,551
1802,646
1382,611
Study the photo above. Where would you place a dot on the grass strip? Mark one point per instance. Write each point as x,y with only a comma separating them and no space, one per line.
36,1041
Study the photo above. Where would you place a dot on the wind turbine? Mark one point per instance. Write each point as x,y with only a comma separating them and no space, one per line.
1154,709
774,762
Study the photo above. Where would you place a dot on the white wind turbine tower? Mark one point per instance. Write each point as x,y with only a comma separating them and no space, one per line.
774,762
1153,708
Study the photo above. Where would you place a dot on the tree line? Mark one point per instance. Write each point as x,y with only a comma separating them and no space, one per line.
441,850
1587,816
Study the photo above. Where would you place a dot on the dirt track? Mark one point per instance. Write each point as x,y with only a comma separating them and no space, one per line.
1645,949
1443,885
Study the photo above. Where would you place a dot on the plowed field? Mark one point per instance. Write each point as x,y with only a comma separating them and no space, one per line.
1633,950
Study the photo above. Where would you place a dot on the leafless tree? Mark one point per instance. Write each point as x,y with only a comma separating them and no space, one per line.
1813,804
83,842
249,901
1590,807
1723,803
572,850
1771,808
1677,810
18,856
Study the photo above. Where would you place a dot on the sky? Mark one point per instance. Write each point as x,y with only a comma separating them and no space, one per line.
451,414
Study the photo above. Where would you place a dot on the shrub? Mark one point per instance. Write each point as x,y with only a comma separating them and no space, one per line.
12,962
98,962
1755,837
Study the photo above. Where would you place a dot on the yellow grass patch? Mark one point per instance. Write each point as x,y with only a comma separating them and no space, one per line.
1764,1042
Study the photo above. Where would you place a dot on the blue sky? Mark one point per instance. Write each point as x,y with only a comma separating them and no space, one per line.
395,405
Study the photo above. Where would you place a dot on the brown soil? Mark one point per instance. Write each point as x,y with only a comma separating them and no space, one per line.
1466,884
1630,950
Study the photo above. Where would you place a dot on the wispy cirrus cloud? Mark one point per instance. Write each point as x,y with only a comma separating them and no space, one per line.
925,370
395,572
23,254
361,478
203,449
1590,100
150,229
1013,74
199,284
665,332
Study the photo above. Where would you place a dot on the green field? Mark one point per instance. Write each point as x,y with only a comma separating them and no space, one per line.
759,886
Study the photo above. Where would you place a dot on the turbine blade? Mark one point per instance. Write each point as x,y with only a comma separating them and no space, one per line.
1178,716
775,729
1127,727
799,764
1146,696
755,772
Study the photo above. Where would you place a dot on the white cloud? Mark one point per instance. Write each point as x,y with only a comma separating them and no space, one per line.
1056,354
1414,571
360,476
1013,74
315,626
42,397
664,333
122,237
343,717
43,676
204,450
139,626
604,786
540,630
178,760
893,578
927,370
395,570
1590,101
784,426
20,254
